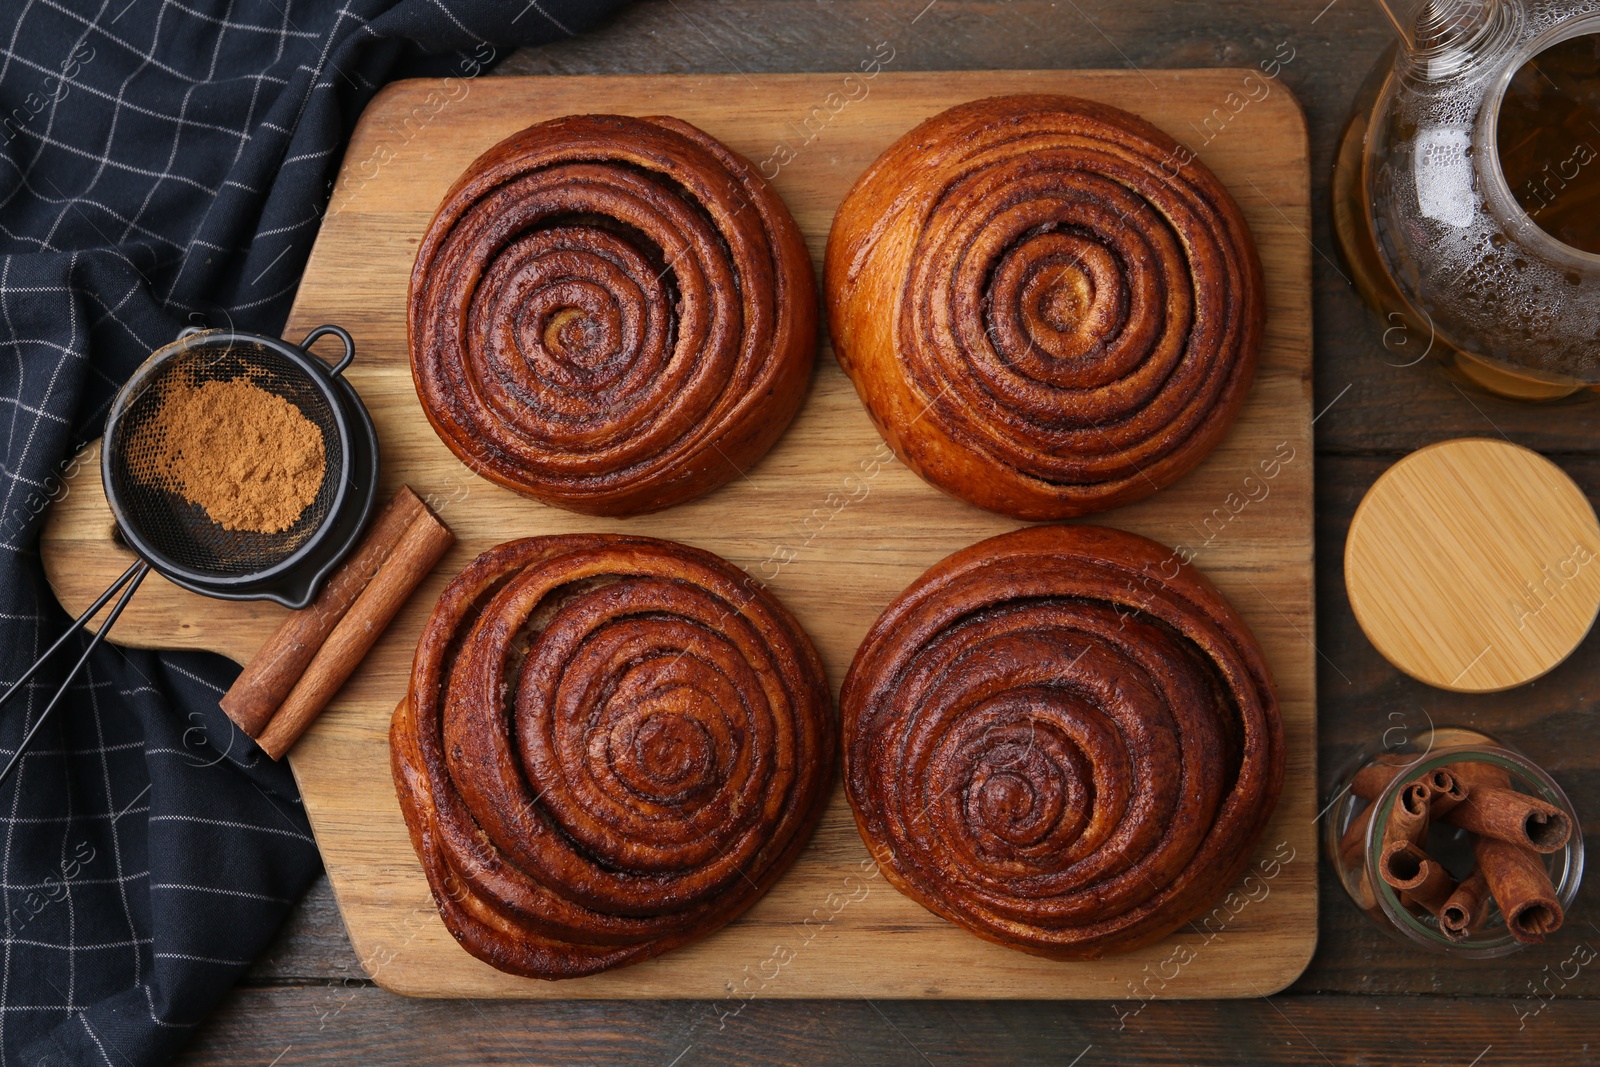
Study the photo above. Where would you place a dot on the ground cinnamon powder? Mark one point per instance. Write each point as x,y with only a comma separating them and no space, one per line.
247,456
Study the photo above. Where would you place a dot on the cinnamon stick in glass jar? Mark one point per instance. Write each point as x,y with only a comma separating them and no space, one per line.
1419,878
1513,817
1353,843
1448,791
1463,913
1408,819
1370,780
1517,878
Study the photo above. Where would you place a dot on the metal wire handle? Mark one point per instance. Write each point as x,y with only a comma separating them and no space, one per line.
128,583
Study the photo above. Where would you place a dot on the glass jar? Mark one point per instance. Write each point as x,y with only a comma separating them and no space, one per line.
1358,867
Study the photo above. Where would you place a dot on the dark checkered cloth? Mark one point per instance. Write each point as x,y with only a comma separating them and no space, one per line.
162,163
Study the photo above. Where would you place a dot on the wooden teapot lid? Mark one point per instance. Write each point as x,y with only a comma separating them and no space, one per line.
1474,565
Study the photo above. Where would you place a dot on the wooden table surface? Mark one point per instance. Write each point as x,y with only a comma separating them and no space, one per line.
1365,999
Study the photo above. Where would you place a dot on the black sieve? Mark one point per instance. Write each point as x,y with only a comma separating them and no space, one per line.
177,537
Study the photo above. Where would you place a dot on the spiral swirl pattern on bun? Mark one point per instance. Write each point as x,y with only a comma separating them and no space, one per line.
1047,305
611,314
1055,749
611,746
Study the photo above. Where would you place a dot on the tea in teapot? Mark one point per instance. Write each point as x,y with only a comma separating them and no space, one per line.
1467,190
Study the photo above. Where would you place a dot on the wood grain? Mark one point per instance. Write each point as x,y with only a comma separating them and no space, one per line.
1360,981
1292,1031
1372,412
852,550
1474,565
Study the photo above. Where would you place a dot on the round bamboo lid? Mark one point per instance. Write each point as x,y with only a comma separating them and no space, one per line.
1474,565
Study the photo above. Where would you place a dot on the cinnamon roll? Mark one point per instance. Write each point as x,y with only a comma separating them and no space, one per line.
611,314
611,746
1048,306
1053,743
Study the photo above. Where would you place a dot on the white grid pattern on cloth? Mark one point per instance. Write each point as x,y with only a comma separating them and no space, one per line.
174,174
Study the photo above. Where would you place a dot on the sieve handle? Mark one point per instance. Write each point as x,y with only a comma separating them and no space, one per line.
128,584
342,334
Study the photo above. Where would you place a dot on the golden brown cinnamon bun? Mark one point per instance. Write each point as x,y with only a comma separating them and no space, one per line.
611,314
611,746
1047,305
1056,746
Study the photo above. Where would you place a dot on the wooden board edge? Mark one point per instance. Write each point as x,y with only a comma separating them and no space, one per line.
395,982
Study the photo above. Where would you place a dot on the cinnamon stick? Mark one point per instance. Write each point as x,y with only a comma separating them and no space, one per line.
1481,775
1464,912
1371,780
1408,819
1510,831
1354,840
1418,877
1352,853
272,673
1365,894
1521,886
422,545
1448,791
1513,817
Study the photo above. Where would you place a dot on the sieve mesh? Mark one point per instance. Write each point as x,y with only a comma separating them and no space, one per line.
180,530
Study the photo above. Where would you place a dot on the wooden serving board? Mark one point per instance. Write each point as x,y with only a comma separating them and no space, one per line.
856,526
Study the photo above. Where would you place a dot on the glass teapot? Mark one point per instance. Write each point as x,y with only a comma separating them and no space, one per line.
1467,191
